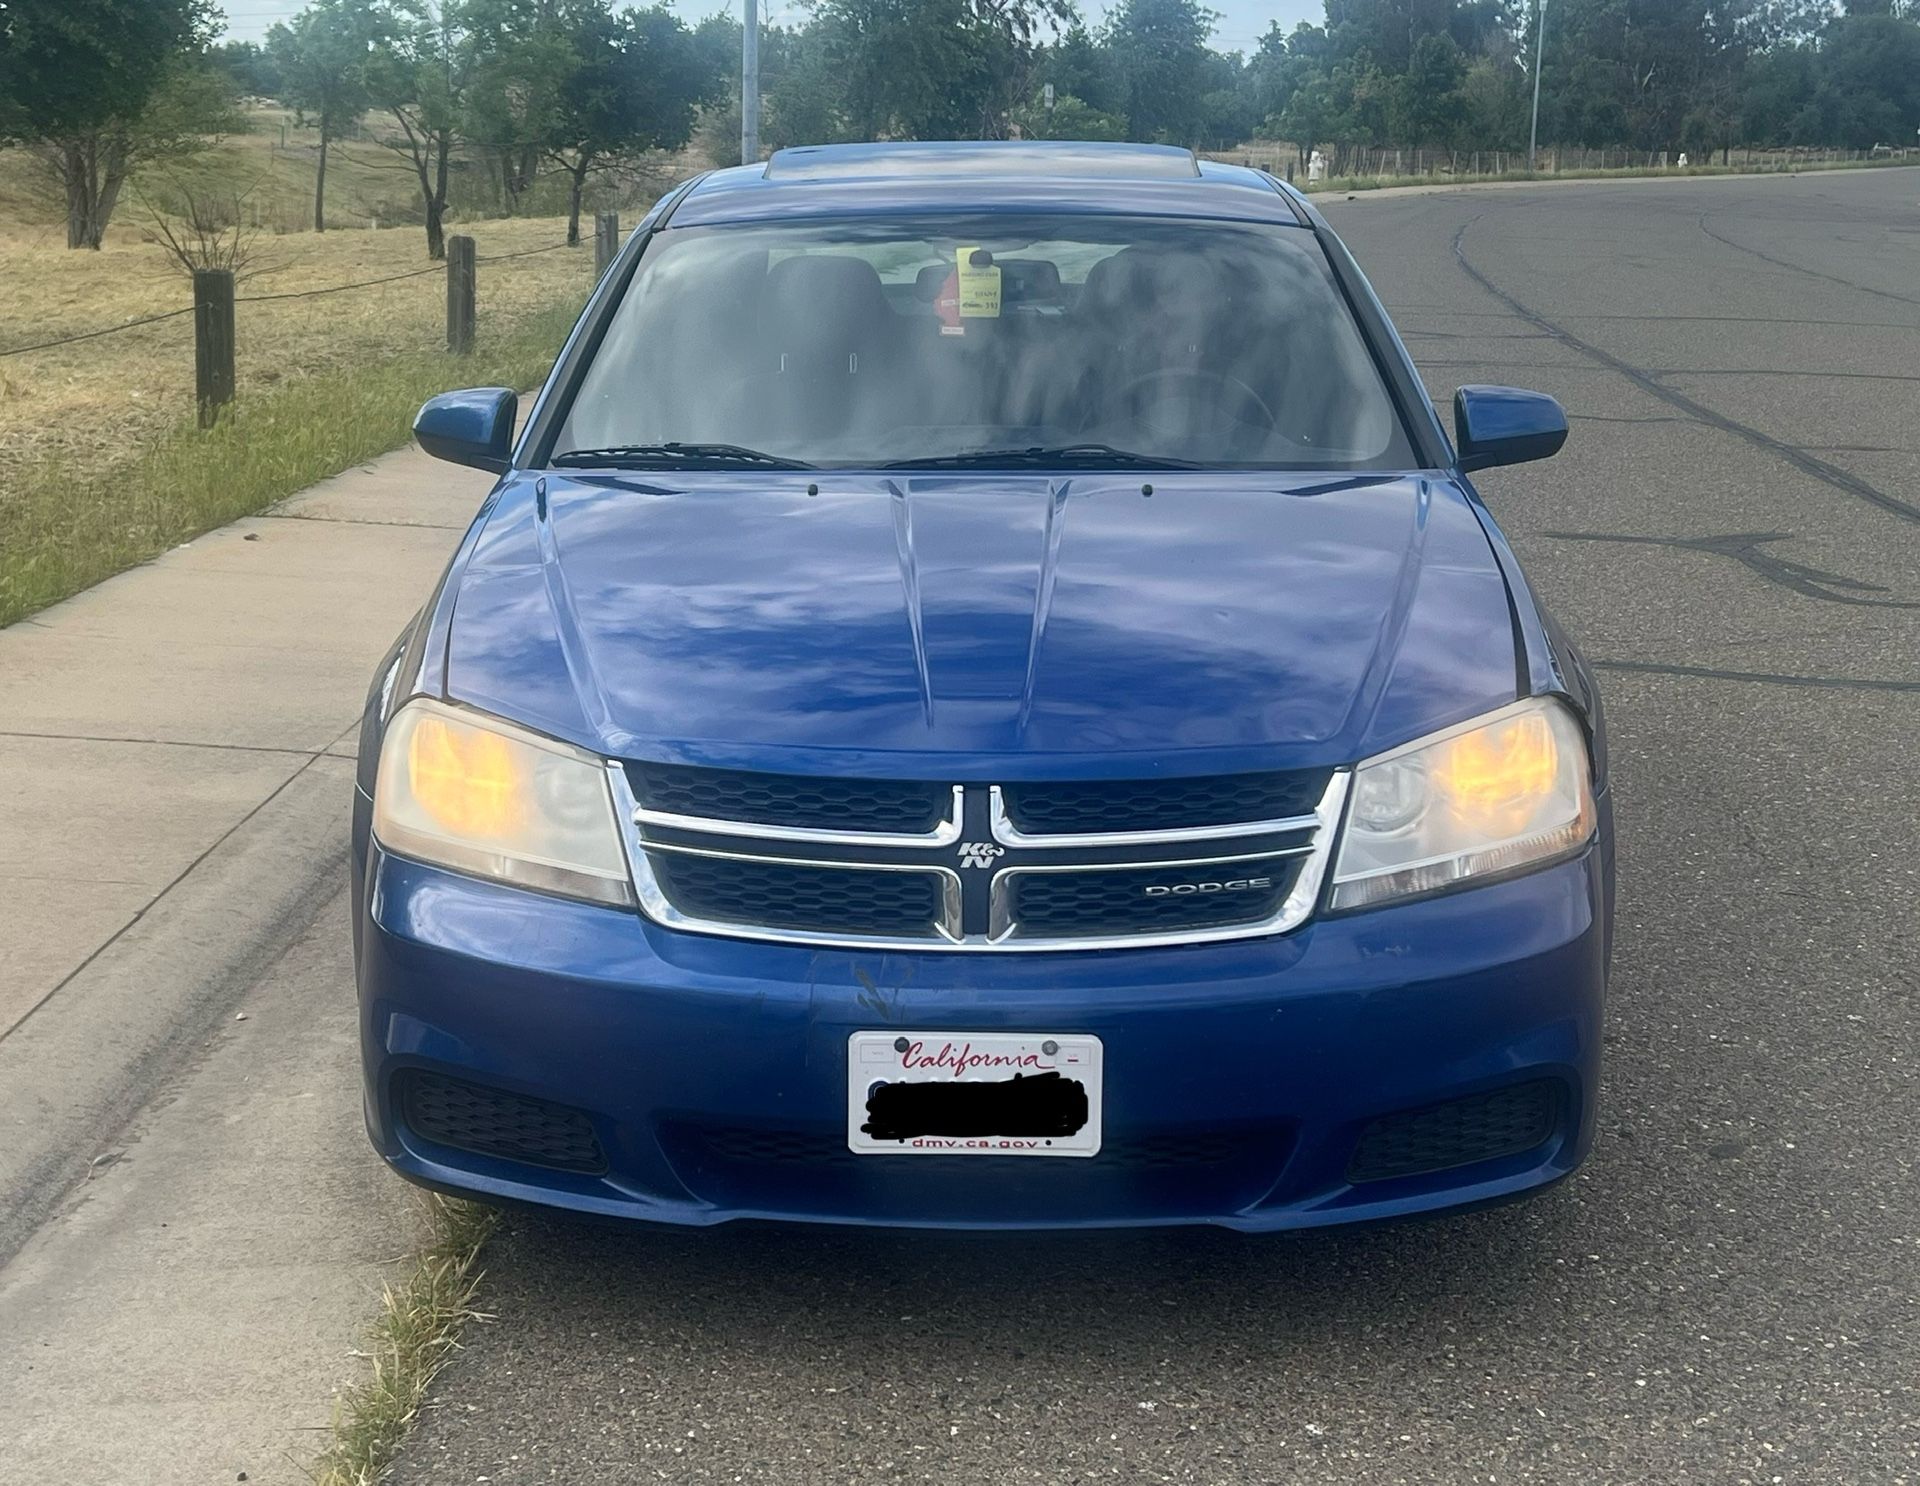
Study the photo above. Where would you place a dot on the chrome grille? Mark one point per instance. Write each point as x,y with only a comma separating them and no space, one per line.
980,873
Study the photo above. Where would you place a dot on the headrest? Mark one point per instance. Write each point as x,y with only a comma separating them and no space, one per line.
824,287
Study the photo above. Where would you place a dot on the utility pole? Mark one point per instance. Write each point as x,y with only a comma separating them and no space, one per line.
750,85
1539,49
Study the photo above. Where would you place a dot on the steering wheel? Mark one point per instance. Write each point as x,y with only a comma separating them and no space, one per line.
1212,390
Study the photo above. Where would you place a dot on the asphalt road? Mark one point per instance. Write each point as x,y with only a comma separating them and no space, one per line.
1727,1292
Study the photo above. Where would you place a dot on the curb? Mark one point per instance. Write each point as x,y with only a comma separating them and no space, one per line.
80,1066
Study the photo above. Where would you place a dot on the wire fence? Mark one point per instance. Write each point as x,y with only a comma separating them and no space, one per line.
1371,162
392,278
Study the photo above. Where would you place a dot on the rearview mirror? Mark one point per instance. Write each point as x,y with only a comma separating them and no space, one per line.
473,427
1504,425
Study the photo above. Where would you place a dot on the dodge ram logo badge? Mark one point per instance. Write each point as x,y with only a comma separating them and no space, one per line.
980,853
1234,885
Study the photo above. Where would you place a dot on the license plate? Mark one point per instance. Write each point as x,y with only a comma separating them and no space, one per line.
973,1094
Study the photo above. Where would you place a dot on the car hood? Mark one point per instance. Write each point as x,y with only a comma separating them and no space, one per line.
987,625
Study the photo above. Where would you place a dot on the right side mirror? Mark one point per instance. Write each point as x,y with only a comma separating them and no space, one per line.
1505,425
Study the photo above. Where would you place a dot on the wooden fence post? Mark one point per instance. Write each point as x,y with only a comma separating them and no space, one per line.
606,241
212,341
460,294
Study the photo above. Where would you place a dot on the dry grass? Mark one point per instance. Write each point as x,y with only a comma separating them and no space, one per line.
100,465
417,1333
62,531
95,403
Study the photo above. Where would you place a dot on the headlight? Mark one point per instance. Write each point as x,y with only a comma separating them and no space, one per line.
479,795
1506,791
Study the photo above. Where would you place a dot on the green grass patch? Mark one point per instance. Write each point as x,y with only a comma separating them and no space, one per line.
417,1333
61,532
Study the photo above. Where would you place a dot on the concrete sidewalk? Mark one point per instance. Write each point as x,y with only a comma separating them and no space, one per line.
143,720
175,769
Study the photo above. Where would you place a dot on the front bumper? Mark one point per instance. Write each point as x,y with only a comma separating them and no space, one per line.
1239,1077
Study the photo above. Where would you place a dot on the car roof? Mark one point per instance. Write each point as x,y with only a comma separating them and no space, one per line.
924,177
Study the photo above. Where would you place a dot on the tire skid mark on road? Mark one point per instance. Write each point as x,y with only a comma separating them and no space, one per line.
1747,549
1827,474
1779,371
1764,678
1812,273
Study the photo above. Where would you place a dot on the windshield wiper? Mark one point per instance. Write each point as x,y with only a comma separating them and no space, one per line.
1046,457
671,455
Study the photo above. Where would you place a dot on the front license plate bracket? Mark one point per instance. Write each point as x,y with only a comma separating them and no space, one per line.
974,1093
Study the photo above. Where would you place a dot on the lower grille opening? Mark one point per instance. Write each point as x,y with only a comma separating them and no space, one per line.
1461,1132
1140,1153
810,1170
492,1122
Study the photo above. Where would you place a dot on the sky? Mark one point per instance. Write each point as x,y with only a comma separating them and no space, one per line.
1242,22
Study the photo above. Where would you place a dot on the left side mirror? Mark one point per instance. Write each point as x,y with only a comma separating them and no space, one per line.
473,427
1504,425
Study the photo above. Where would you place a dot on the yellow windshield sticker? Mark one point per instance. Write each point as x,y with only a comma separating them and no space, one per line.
979,284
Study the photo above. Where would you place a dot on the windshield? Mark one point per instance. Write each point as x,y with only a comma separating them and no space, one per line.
1078,339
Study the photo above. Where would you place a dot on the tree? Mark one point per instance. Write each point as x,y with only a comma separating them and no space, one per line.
417,72
253,72
1069,118
322,58
905,69
1428,105
630,84
1160,51
1385,32
1079,67
1225,114
516,54
925,69
1493,100
1309,115
1869,89
1770,24
1364,97
1270,75
94,87
804,97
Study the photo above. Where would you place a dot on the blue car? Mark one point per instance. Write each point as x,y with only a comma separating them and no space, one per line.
983,697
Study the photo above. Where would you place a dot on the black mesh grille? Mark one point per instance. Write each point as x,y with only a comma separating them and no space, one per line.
828,900
803,801
491,1122
1458,1133
1119,902
800,1148
1162,804
809,1170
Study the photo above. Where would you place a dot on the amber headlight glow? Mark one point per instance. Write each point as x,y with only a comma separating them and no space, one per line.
1504,792
470,792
